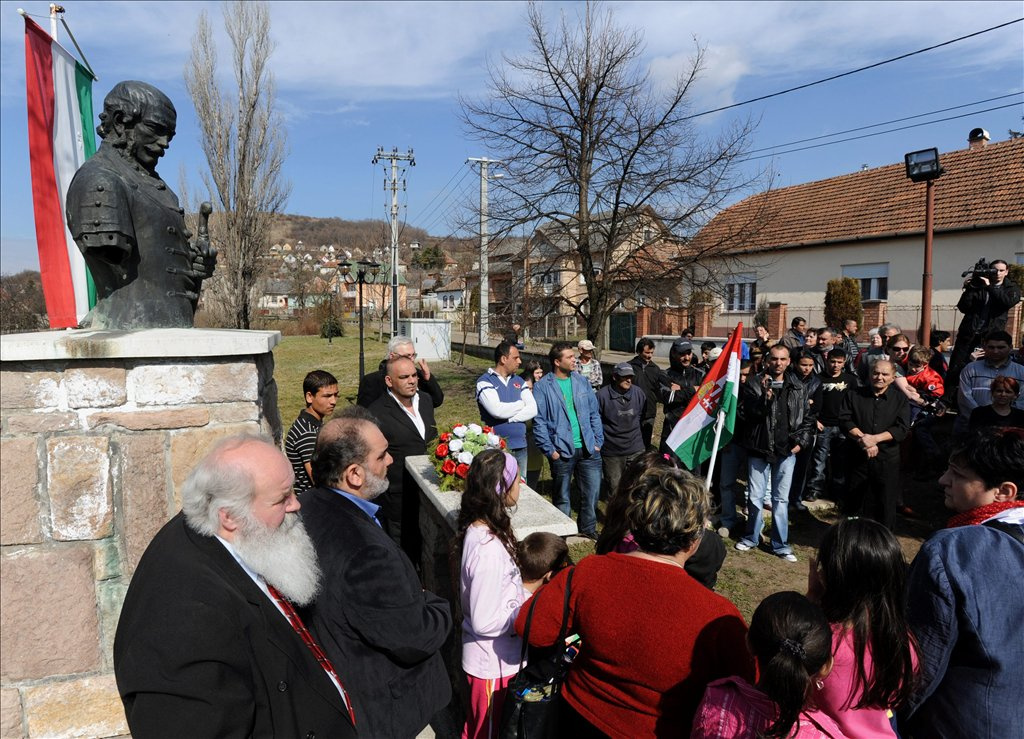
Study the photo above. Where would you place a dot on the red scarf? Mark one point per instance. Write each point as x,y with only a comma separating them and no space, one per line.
983,513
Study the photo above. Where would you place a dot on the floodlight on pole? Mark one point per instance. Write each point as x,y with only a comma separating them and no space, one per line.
924,166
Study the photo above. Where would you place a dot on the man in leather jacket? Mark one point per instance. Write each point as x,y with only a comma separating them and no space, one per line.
684,373
778,427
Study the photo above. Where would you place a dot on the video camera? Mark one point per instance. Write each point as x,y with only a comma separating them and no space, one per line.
981,268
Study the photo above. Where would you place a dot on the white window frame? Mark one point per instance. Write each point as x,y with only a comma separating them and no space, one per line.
740,293
873,279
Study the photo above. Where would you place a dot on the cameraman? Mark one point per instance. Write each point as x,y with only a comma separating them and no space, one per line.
987,297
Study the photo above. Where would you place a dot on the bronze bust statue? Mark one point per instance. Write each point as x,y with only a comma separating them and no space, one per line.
128,223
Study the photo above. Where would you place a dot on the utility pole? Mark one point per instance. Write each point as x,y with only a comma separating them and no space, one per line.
394,157
484,297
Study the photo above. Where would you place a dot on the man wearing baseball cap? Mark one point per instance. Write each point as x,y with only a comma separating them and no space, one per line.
587,366
622,409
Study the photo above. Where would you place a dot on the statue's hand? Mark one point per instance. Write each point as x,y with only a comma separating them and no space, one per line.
204,256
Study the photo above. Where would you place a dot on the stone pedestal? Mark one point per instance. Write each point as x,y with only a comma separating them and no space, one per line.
99,430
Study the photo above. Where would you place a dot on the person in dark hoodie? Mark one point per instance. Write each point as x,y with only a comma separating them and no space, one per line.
687,377
804,368
778,427
622,409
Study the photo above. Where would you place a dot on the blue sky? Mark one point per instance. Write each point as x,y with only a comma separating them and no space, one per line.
355,76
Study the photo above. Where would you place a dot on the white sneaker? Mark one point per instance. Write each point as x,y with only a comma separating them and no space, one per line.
787,557
743,546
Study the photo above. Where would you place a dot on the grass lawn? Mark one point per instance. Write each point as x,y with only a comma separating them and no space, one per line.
746,577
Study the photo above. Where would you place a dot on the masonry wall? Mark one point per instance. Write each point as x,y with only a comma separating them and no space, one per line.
93,453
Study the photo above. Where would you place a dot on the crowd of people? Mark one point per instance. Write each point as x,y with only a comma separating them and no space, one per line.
286,598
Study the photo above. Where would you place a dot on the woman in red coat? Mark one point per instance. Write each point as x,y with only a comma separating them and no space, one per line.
652,636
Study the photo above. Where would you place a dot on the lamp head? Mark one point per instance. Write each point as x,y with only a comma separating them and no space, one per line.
923,165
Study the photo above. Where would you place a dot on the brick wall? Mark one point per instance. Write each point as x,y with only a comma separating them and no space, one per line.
94,452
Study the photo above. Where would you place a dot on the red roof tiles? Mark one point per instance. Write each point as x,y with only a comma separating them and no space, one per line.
981,187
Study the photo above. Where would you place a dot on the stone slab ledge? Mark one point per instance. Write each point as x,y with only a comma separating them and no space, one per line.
533,512
75,344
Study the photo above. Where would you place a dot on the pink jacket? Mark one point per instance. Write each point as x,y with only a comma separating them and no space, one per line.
492,593
734,708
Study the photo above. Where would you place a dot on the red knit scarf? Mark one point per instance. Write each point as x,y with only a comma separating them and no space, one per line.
983,513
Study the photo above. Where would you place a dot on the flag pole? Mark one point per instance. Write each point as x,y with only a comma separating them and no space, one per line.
719,424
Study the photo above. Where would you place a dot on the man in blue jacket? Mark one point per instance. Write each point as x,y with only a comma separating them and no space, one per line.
568,432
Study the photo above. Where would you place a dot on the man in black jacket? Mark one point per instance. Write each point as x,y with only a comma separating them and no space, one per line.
406,418
651,379
372,385
684,375
829,450
778,427
875,419
373,615
208,643
985,303
622,408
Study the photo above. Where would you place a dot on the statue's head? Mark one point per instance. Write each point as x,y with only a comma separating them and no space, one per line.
139,119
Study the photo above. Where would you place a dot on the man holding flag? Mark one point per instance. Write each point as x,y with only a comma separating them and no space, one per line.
778,427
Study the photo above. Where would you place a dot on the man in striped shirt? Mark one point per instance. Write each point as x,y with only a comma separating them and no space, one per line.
321,390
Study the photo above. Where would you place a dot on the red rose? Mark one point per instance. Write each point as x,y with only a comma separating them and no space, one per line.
446,437
461,471
441,451
503,444
488,429
448,467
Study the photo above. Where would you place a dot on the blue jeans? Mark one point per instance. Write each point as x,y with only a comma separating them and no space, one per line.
521,456
587,468
828,439
734,461
781,473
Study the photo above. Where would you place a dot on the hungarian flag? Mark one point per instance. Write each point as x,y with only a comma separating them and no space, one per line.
60,139
693,438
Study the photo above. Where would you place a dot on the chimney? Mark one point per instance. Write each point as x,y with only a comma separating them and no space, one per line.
977,138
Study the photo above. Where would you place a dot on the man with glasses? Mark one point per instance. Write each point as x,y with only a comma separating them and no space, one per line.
622,408
372,385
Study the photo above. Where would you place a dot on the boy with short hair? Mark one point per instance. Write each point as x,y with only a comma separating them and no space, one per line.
321,391
541,556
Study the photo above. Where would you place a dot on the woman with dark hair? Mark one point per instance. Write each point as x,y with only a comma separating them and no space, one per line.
705,563
966,599
792,643
1005,391
490,585
653,637
859,578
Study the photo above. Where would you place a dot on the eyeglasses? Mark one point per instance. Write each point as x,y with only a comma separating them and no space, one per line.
406,356
901,348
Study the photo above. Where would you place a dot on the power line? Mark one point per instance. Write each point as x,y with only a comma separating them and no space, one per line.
880,133
853,71
448,193
443,188
885,123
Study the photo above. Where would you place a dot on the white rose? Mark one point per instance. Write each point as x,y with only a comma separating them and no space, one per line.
475,428
459,431
493,440
465,458
455,445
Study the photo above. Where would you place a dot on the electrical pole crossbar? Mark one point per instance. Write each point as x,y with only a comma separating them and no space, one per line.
394,157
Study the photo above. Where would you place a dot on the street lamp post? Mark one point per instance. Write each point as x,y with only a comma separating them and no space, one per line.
366,267
923,166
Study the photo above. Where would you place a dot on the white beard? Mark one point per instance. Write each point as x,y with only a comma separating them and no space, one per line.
284,557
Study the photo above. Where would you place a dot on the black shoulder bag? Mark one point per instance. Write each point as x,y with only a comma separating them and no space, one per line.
530,705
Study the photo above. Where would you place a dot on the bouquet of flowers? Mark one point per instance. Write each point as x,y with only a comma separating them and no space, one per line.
456,448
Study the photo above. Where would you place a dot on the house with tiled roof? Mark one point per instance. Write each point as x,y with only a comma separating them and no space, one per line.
869,225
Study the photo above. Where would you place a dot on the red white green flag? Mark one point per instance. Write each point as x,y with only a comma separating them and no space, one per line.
695,437
60,139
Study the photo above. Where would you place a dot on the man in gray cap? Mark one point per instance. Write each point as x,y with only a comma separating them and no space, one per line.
685,377
622,409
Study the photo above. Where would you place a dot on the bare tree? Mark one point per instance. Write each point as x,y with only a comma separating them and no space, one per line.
22,307
596,154
244,143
